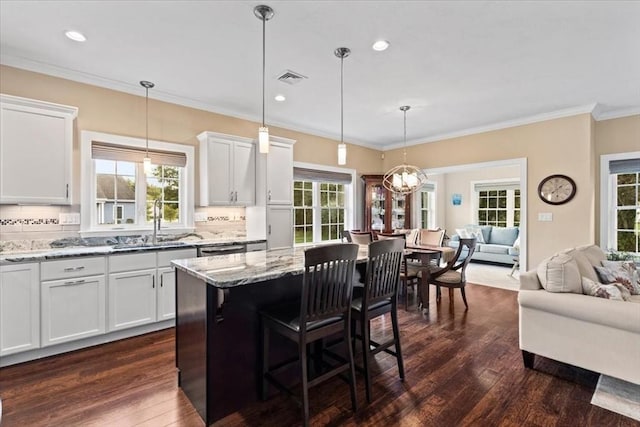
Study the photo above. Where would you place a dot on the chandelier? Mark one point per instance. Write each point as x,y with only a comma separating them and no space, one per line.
404,178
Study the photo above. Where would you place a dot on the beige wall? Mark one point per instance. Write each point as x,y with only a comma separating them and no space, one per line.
555,146
114,112
565,145
611,137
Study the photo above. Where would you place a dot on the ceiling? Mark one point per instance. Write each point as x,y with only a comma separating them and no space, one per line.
461,66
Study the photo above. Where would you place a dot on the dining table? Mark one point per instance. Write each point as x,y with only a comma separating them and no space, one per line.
427,257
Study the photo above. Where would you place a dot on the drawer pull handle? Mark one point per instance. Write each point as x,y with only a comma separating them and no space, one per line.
74,268
74,282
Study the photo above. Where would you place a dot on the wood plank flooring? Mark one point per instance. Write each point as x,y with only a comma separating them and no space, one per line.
463,368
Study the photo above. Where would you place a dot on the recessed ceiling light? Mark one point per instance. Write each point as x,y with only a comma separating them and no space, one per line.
75,35
280,98
380,45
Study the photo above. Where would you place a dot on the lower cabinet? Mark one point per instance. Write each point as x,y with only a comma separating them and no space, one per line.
166,293
19,308
132,299
72,309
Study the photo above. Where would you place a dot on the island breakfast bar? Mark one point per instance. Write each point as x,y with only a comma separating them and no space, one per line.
217,323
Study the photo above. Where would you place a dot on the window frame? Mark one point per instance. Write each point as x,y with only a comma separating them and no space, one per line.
608,195
432,210
88,213
510,199
349,203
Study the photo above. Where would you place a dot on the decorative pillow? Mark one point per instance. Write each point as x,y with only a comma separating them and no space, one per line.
621,272
584,265
463,233
477,233
559,273
613,291
516,244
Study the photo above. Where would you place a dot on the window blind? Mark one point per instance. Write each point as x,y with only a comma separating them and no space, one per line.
304,174
493,186
107,151
624,166
429,186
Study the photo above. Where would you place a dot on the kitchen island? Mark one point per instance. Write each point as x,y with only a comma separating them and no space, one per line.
218,299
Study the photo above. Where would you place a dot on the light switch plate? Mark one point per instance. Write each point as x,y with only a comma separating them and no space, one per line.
69,219
545,216
200,217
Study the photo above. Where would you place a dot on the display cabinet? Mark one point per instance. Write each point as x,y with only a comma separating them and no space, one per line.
383,210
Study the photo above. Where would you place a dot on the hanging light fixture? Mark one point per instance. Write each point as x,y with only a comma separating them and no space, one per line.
404,178
263,13
147,160
342,52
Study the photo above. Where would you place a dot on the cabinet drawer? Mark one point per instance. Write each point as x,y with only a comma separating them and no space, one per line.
128,262
165,257
72,267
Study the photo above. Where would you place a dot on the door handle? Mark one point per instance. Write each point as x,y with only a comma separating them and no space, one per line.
153,282
161,281
269,195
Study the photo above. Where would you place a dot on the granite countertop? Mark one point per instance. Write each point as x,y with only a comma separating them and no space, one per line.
228,271
99,246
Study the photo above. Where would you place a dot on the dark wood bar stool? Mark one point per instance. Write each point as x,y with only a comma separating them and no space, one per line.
324,310
380,296
408,272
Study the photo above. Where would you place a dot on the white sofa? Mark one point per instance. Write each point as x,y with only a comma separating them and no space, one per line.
597,334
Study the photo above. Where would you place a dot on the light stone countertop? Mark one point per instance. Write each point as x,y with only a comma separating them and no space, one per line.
16,257
228,271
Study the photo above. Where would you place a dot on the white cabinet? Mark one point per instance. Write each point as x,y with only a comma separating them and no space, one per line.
227,170
72,299
166,292
19,308
279,226
132,294
142,287
36,142
280,173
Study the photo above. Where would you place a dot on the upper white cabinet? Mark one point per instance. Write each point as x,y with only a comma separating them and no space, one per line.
227,170
36,142
280,173
19,308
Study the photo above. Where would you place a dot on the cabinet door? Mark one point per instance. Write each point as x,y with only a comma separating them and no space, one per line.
132,299
217,178
166,293
19,308
280,226
72,309
244,173
35,152
280,174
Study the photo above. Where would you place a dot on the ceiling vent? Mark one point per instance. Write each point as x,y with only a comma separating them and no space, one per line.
290,77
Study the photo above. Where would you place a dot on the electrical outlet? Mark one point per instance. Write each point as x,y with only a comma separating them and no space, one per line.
200,216
545,216
69,219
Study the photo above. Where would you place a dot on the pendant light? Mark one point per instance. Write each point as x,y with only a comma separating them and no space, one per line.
404,179
147,160
263,13
342,52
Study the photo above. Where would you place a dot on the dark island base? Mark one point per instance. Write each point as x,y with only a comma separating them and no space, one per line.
217,348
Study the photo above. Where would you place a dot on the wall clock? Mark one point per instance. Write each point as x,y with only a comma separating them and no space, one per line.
556,189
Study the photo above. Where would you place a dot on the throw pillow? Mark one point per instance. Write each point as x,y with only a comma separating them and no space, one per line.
622,272
463,233
560,273
477,233
613,291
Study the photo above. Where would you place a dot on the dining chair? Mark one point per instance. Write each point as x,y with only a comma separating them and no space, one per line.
452,275
409,271
380,296
431,237
324,310
361,237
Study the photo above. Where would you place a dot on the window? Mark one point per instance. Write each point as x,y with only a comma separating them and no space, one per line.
627,218
321,204
122,195
498,203
426,207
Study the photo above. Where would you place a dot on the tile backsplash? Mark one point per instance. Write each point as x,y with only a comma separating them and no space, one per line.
43,222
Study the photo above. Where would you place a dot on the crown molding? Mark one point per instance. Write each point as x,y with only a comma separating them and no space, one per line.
567,112
134,89
599,115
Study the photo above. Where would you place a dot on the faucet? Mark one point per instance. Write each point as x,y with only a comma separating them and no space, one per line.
157,215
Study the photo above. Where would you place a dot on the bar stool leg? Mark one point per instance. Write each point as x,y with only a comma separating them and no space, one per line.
366,349
302,350
396,338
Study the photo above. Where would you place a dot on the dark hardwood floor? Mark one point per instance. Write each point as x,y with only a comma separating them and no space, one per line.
462,368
